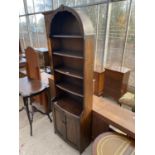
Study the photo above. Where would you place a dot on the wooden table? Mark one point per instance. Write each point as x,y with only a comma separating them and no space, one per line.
112,114
29,88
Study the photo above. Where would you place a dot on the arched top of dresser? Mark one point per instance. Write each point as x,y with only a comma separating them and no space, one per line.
84,25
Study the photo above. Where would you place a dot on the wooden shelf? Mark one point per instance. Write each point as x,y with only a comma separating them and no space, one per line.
75,90
70,105
67,36
69,72
72,49
69,54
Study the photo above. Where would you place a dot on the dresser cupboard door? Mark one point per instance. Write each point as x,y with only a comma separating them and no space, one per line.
73,130
60,122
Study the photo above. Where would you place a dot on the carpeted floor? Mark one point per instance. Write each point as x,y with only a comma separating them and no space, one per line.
44,141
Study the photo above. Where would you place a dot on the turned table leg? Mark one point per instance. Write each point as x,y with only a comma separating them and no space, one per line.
25,99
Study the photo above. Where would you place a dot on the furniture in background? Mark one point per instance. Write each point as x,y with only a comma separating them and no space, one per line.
115,81
44,59
107,113
32,66
52,89
72,43
128,99
29,88
99,83
33,72
111,143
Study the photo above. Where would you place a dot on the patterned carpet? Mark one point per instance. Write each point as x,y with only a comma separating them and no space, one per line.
44,141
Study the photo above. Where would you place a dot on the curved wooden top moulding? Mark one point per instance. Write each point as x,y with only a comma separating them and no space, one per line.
85,25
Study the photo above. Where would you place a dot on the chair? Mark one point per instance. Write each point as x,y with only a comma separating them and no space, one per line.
128,99
32,88
33,71
32,65
111,143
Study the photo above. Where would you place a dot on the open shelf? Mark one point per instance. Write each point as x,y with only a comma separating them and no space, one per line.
67,36
73,89
65,23
72,47
70,105
70,54
69,72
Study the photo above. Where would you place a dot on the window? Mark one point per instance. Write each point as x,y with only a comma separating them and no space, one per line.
32,25
117,28
30,6
120,50
24,33
129,55
21,9
113,24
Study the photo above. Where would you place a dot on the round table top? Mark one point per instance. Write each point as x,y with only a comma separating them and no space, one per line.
110,143
29,87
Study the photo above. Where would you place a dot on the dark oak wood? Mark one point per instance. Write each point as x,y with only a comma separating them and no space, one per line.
52,86
59,121
72,39
70,105
68,62
116,81
69,88
69,72
67,125
99,83
29,88
68,44
113,114
72,126
99,125
68,54
67,36
44,56
33,70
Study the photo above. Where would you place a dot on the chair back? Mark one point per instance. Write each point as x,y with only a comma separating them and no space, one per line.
32,65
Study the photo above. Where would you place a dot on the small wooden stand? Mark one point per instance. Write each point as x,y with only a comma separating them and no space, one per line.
116,81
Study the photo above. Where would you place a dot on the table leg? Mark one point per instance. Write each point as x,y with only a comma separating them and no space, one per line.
49,104
25,99
35,109
32,112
